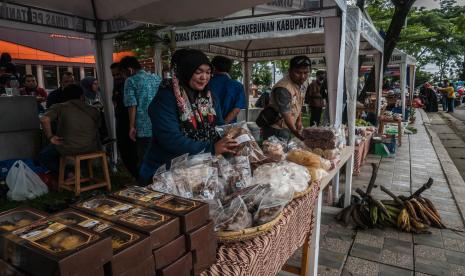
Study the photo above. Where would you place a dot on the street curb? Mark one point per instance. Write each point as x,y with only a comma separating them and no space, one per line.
453,177
457,125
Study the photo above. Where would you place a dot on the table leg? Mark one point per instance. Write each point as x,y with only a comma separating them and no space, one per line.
348,184
399,130
335,184
314,246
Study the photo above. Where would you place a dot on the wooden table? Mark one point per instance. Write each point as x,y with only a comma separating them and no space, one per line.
311,247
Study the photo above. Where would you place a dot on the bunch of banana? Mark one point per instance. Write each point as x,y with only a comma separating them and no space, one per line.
367,214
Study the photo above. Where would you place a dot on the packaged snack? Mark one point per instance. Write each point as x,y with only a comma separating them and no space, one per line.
247,144
273,149
272,205
164,182
282,175
236,172
234,217
317,174
325,164
304,158
254,196
201,158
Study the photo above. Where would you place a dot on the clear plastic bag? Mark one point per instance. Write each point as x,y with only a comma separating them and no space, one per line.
273,148
201,158
247,144
236,172
304,158
234,217
253,197
179,162
282,176
271,205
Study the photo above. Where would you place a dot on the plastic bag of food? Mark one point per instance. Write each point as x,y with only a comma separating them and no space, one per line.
254,196
247,144
215,208
198,159
163,181
234,217
179,162
273,148
210,188
325,164
236,172
317,174
280,176
304,158
271,205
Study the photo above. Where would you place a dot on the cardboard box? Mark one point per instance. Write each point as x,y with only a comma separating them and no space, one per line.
145,268
47,247
203,244
129,247
19,217
170,252
160,227
192,213
181,267
8,270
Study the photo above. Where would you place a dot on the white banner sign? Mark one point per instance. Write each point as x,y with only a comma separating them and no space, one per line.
370,33
286,52
247,30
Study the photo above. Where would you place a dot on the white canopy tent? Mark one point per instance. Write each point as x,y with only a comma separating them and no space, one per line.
95,20
316,34
406,63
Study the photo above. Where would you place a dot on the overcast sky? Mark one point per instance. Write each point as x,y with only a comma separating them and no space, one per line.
432,4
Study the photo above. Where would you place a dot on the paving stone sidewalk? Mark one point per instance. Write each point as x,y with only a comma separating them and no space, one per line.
345,251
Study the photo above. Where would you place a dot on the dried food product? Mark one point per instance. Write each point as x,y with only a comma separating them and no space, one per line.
273,148
272,205
236,172
317,174
319,133
19,217
325,164
247,144
254,196
282,176
234,217
304,158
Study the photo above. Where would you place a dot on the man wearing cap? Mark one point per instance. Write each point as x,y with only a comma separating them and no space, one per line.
287,99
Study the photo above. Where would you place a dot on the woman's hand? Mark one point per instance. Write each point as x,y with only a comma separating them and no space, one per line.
225,145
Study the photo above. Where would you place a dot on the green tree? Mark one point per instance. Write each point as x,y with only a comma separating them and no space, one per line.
236,70
261,73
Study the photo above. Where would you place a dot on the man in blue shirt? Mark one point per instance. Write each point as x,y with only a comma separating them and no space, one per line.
229,92
140,88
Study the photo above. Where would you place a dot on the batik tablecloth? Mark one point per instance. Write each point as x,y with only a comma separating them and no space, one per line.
266,254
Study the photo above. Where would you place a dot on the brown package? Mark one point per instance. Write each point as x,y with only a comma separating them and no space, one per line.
47,247
128,246
19,217
145,268
192,213
181,267
160,227
8,270
170,252
202,242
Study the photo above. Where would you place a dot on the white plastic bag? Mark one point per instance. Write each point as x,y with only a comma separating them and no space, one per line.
24,183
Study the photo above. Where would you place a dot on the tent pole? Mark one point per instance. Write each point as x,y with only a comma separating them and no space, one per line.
403,83
247,71
335,52
411,83
378,60
157,62
351,79
104,58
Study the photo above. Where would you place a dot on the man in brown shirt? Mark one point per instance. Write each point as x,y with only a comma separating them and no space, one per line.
77,129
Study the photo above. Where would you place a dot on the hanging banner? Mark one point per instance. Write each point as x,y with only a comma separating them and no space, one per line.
315,51
370,33
248,30
219,50
35,16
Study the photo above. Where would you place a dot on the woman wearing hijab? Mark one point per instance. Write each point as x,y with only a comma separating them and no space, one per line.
91,91
92,98
184,116
431,99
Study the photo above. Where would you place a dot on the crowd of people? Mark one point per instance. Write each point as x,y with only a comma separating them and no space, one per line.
159,119
431,97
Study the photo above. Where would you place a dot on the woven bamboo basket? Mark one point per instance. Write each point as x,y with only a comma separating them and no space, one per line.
306,192
248,233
